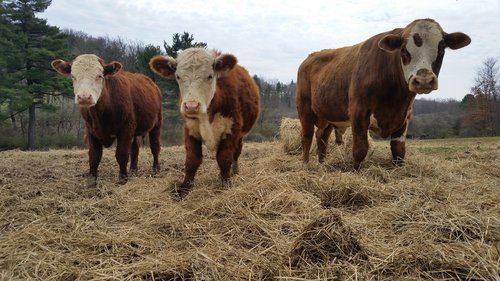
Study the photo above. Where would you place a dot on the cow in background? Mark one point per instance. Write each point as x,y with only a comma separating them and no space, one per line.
115,104
219,104
371,85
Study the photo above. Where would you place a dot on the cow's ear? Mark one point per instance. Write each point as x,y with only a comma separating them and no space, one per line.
390,43
163,66
456,40
64,68
112,68
224,63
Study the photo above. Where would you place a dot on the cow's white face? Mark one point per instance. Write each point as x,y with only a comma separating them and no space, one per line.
196,71
422,47
195,75
87,72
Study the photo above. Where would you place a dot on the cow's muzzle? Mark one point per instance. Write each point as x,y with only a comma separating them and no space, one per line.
191,107
424,82
85,100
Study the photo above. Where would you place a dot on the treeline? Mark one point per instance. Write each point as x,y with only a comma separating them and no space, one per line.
37,107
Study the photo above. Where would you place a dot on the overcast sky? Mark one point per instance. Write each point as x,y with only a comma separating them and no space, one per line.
272,37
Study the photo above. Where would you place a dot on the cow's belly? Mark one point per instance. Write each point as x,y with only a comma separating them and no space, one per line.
210,133
343,125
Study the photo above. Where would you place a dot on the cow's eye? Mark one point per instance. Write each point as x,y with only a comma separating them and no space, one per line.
177,77
210,77
99,76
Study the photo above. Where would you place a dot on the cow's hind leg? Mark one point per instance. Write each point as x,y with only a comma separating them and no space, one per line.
398,146
322,135
134,156
339,133
307,120
237,153
226,152
123,147
155,145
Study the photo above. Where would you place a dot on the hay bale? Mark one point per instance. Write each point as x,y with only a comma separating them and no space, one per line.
290,137
323,240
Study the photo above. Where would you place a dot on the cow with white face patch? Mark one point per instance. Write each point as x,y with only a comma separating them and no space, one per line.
219,102
115,104
371,85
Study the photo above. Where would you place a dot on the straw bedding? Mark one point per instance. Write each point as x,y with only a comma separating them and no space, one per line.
436,218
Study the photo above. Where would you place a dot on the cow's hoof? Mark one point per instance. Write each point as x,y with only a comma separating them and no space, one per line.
399,162
226,183
122,179
91,181
180,192
133,172
155,171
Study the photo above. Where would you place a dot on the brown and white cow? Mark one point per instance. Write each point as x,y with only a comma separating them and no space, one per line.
219,102
371,85
115,104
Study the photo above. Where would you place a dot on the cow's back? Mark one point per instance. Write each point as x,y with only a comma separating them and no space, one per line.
237,95
323,82
147,102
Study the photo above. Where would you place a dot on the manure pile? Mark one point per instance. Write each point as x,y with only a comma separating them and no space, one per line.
436,218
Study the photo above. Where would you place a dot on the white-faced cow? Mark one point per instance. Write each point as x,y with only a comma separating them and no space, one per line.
371,85
219,104
115,104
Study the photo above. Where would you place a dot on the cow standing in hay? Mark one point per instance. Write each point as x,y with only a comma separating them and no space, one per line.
115,104
219,104
371,85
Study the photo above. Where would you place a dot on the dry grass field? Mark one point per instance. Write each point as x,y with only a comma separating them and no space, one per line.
436,218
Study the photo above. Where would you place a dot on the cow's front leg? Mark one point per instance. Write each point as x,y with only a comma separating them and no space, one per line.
194,158
360,143
95,155
398,145
122,154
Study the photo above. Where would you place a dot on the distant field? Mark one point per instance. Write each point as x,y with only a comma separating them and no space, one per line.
436,218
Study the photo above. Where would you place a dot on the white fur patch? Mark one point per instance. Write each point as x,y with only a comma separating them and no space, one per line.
209,133
85,71
422,57
402,138
194,67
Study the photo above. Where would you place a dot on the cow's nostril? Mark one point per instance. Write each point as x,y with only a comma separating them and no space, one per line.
192,107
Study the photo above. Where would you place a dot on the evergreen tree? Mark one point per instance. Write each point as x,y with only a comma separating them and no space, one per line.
143,57
35,45
181,42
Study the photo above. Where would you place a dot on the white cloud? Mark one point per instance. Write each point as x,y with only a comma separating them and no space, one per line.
271,38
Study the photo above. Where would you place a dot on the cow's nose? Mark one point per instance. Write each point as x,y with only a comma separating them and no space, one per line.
191,107
84,99
424,83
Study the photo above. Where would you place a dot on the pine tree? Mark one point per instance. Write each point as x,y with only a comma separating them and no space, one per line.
143,57
181,42
35,45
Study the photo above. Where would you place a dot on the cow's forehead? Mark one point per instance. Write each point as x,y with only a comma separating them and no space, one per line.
426,30
86,64
194,60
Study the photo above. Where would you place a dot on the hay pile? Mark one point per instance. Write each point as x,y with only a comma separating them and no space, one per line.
290,138
437,218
